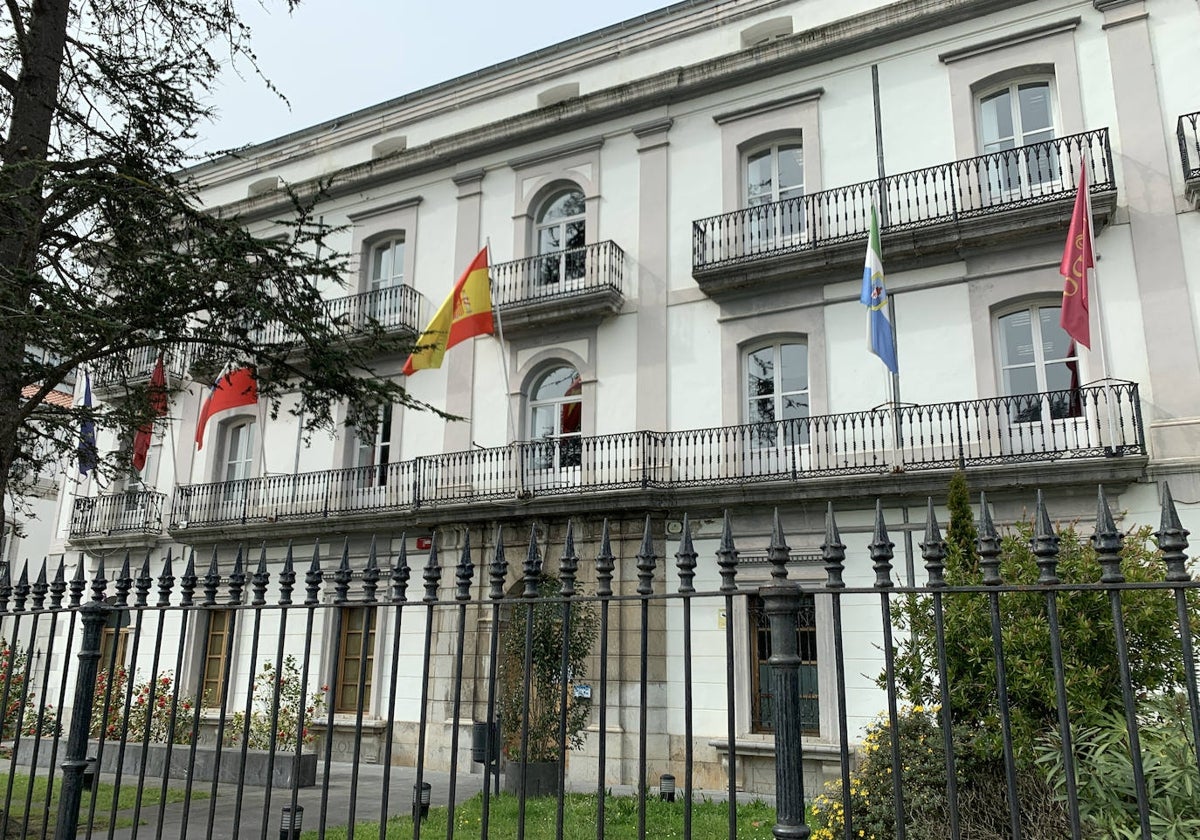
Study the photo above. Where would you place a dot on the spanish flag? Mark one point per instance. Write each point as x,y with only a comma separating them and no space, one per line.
465,314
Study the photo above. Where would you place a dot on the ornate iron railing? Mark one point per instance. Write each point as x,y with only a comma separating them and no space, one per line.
133,512
992,183
1088,422
1188,134
137,366
594,267
391,307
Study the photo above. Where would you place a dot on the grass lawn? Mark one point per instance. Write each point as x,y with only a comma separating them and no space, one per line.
663,820
151,795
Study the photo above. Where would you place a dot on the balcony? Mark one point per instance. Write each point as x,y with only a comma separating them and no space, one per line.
137,366
137,512
392,308
929,215
1188,135
570,285
1100,424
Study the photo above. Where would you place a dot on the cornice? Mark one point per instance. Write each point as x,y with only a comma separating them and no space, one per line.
878,27
1068,25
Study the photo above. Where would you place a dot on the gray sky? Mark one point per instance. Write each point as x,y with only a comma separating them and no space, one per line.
331,57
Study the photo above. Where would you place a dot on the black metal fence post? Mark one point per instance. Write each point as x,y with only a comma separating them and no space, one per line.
95,615
781,604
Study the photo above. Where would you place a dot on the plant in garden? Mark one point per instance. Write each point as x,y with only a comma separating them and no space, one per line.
280,686
145,713
1086,631
982,790
1104,772
21,707
545,676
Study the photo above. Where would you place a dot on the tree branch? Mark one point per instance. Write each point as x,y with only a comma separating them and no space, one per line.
18,25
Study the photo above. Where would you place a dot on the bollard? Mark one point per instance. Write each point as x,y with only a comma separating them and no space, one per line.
291,822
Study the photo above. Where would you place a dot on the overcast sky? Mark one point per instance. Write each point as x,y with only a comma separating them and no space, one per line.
331,57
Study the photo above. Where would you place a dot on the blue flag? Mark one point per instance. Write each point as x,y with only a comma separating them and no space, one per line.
87,431
874,297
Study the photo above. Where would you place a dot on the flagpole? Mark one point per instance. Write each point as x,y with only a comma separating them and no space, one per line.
512,424
895,387
1094,293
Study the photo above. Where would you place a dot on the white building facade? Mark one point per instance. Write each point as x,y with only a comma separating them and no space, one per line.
676,209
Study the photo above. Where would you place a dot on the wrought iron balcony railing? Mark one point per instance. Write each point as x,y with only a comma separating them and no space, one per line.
133,512
596,267
391,307
1187,131
993,183
137,366
1096,421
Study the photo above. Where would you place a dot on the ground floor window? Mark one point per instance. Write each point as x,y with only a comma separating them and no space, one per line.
357,622
216,658
762,708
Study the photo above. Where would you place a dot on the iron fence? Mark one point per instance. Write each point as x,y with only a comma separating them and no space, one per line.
177,680
1094,421
596,267
993,183
1188,135
131,512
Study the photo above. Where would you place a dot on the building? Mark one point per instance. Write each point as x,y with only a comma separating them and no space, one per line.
676,209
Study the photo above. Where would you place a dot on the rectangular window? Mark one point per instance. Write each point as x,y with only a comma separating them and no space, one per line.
216,658
356,621
113,643
761,702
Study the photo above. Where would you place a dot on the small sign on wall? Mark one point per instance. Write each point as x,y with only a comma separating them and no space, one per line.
721,618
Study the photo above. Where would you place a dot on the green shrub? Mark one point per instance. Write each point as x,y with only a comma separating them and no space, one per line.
982,790
145,713
545,678
21,708
1104,772
1087,634
284,684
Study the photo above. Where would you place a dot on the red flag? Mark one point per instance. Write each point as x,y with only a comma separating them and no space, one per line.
158,401
236,388
1077,259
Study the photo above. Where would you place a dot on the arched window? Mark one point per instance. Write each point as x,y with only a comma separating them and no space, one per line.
560,235
1016,116
776,391
556,418
1038,357
237,459
774,186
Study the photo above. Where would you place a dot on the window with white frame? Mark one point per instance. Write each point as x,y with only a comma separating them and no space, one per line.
385,274
556,418
560,235
1018,117
1038,358
774,184
373,450
237,458
777,394
238,462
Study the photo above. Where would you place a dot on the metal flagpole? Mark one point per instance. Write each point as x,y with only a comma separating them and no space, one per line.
512,425
1094,294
